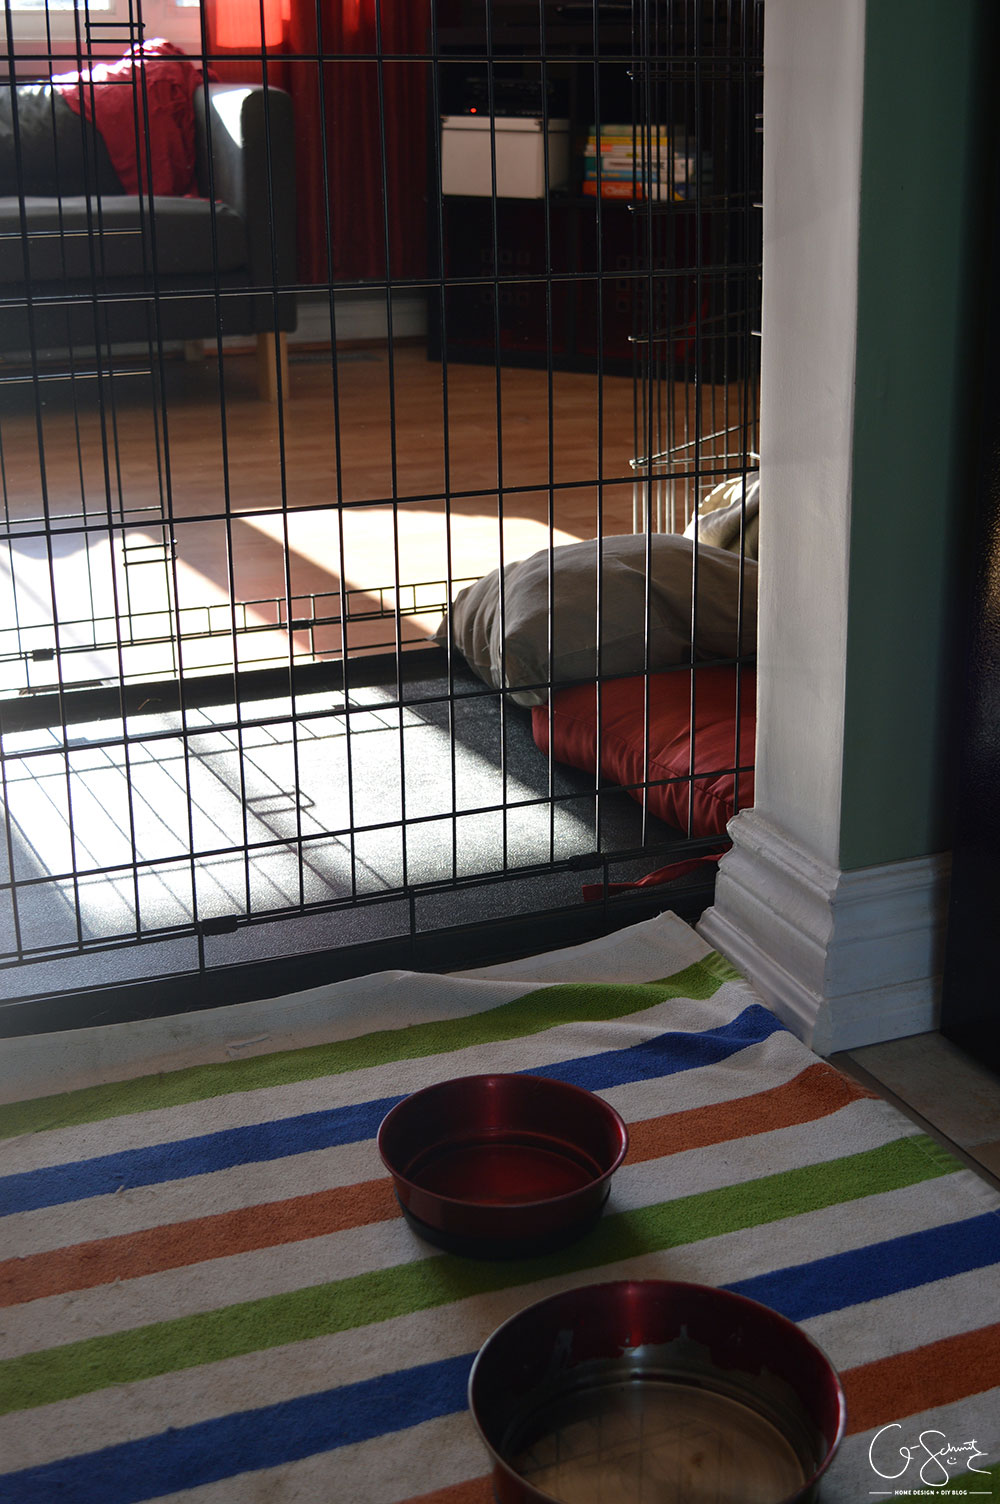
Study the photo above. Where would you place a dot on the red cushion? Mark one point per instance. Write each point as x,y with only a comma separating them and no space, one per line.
708,797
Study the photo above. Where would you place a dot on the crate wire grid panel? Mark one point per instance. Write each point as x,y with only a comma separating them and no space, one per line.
209,762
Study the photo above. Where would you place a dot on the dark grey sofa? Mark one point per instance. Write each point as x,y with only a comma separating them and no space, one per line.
104,268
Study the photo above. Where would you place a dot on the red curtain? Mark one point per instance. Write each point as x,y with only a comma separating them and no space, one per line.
362,211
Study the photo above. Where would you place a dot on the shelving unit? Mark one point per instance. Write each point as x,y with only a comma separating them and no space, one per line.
526,278
580,282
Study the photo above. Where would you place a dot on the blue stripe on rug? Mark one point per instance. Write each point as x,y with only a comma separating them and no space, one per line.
878,1269
104,1175
190,1456
666,1054
156,1163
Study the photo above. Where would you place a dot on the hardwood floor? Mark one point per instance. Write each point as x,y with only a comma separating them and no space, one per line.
187,508
941,1088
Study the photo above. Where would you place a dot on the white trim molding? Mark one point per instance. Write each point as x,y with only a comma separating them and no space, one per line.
360,315
843,958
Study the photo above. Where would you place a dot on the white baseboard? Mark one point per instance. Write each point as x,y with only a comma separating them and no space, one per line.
843,958
359,315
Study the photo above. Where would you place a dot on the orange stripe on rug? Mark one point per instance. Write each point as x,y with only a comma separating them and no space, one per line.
81,1266
472,1491
814,1093
923,1379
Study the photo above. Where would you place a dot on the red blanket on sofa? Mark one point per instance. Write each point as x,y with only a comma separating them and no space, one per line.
143,106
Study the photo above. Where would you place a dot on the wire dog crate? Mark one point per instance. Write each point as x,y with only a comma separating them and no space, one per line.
256,439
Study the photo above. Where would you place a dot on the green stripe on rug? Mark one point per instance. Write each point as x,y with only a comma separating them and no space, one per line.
61,1373
577,1002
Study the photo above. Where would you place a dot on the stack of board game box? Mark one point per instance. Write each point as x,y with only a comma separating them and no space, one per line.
635,162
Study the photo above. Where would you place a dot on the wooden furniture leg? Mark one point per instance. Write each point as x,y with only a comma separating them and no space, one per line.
272,351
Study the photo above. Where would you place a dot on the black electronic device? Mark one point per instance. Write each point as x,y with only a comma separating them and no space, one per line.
507,96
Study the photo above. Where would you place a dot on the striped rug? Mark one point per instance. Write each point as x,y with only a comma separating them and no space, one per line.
209,1295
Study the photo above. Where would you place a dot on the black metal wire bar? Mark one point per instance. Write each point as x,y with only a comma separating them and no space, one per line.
498,383
40,440
599,230
280,843
329,226
108,298
227,923
750,18
282,461
699,355
549,396
61,233
393,452
646,122
304,715
437,201
120,660
156,342
550,769
234,643
678,62
11,887
95,245
416,498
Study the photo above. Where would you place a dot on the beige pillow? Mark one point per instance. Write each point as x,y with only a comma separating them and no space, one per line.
514,652
728,514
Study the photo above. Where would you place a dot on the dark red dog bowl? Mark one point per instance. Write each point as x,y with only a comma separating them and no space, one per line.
654,1391
502,1166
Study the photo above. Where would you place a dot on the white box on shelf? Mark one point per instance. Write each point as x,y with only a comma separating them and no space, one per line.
466,155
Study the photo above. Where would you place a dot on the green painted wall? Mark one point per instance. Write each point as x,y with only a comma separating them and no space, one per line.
915,397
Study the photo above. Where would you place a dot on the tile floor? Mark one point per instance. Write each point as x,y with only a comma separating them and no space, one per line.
952,1096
